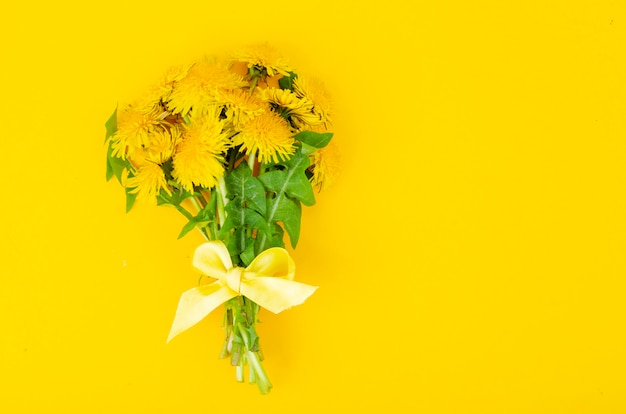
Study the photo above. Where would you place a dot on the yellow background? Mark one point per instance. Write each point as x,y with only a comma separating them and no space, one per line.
470,256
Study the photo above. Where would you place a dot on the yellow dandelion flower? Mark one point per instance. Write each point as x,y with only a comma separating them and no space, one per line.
299,111
201,87
242,106
314,91
285,99
264,58
163,88
134,126
161,145
267,135
198,158
305,120
147,181
324,167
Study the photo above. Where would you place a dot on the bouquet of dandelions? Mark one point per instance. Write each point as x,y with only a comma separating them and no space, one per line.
237,146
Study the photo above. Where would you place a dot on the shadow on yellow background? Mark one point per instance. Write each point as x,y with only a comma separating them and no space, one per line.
470,256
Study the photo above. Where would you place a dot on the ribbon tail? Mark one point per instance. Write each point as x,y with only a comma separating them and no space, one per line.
196,303
276,294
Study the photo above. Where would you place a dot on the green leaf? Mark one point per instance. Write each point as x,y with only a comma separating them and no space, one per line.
109,169
232,243
275,239
201,220
274,180
289,212
241,184
130,199
177,197
111,124
247,256
244,213
239,216
192,224
277,236
238,220
286,82
293,181
187,228
288,183
241,252
314,139
115,165
307,149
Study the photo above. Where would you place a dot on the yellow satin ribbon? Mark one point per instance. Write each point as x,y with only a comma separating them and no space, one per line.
268,281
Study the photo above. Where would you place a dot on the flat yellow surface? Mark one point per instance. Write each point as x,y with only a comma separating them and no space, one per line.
470,257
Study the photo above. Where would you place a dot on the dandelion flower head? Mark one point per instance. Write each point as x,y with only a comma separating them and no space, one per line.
147,181
263,57
313,90
242,106
198,159
324,167
267,135
134,126
202,86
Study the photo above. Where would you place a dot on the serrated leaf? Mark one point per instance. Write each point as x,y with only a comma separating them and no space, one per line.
274,180
243,185
274,239
247,256
289,212
290,187
314,139
300,188
238,220
277,236
233,244
293,181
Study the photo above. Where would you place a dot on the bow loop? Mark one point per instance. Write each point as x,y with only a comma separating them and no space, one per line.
274,262
268,281
212,259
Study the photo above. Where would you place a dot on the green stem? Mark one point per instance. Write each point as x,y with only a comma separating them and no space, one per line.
184,212
262,380
200,197
240,320
239,371
252,358
255,81
196,203
220,190
232,157
251,161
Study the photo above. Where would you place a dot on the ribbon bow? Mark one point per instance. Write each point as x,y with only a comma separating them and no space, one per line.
268,281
